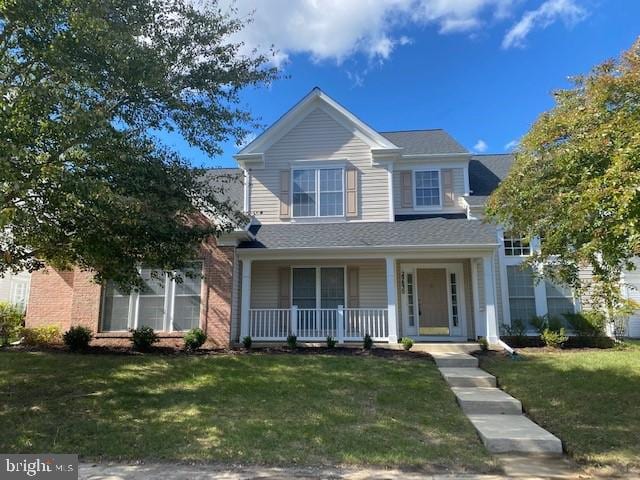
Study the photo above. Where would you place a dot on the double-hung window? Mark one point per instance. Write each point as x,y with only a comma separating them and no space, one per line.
318,192
427,188
559,299
515,246
522,299
162,302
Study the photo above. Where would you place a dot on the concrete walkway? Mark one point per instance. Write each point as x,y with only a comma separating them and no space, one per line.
163,471
496,415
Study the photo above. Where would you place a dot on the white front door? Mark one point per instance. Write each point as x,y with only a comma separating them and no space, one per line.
433,300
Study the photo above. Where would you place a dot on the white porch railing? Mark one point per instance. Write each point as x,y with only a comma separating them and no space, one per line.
316,324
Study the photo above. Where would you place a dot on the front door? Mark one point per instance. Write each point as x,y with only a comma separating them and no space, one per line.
433,302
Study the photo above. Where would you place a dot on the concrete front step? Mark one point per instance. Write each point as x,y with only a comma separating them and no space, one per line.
483,400
454,359
446,347
514,433
467,377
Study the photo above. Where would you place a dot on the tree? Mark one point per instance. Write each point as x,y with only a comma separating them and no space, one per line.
575,182
85,86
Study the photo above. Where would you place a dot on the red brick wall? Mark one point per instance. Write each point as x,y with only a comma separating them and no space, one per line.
71,297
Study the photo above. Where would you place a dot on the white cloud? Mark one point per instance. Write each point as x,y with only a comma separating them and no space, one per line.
337,29
568,11
480,146
513,144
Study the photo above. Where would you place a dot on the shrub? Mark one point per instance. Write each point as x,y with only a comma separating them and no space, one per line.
194,339
484,344
77,338
368,342
553,339
517,329
407,343
547,322
292,341
246,342
589,323
143,338
11,319
539,323
331,342
41,336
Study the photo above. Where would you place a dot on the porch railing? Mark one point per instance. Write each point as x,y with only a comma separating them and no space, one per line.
316,324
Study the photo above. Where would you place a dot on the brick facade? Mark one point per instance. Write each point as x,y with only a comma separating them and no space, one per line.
69,298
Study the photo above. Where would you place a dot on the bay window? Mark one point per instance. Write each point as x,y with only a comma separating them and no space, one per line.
318,192
162,303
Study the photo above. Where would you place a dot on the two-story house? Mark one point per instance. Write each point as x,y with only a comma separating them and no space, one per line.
353,232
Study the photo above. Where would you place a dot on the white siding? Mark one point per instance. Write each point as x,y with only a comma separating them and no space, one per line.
373,286
632,291
403,165
316,138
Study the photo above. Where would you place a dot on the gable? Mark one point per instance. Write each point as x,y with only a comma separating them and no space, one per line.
316,137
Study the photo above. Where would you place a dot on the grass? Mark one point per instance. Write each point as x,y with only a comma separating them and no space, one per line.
588,398
259,409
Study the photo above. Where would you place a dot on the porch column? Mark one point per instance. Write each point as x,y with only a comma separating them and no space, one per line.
392,299
490,299
245,304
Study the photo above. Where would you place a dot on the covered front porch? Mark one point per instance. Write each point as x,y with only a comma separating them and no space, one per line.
436,294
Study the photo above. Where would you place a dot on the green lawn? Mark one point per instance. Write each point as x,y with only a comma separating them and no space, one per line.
262,409
590,399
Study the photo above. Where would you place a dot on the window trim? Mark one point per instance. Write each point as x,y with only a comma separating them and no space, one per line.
415,188
316,170
169,304
318,269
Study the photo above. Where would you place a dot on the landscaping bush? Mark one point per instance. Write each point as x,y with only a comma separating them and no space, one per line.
194,339
517,329
11,319
589,323
522,341
407,343
143,338
368,342
292,341
539,323
547,322
484,344
77,338
552,338
246,342
331,342
41,336
589,342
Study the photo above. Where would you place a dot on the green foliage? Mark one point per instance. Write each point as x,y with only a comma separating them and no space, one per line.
84,87
575,180
407,343
546,322
367,342
484,344
11,320
143,338
246,342
331,342
292,341
44,336
194,339
553,338
77,338
517,329
588,323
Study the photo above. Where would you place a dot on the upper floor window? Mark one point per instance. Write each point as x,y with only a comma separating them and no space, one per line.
318,192
427,190
515,246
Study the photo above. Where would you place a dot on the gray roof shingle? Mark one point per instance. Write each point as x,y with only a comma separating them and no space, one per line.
487,171
230,181
416,142
424,232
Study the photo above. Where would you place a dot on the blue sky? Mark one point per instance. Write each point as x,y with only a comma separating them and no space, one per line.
481,69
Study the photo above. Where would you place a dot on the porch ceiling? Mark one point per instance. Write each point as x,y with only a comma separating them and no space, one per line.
428,232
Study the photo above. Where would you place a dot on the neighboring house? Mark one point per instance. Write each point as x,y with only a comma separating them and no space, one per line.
14,288
353,231
631,290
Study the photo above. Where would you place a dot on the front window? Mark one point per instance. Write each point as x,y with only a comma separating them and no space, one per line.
522,301
162,303
330,294
427,188
515,246
559,299
318,192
